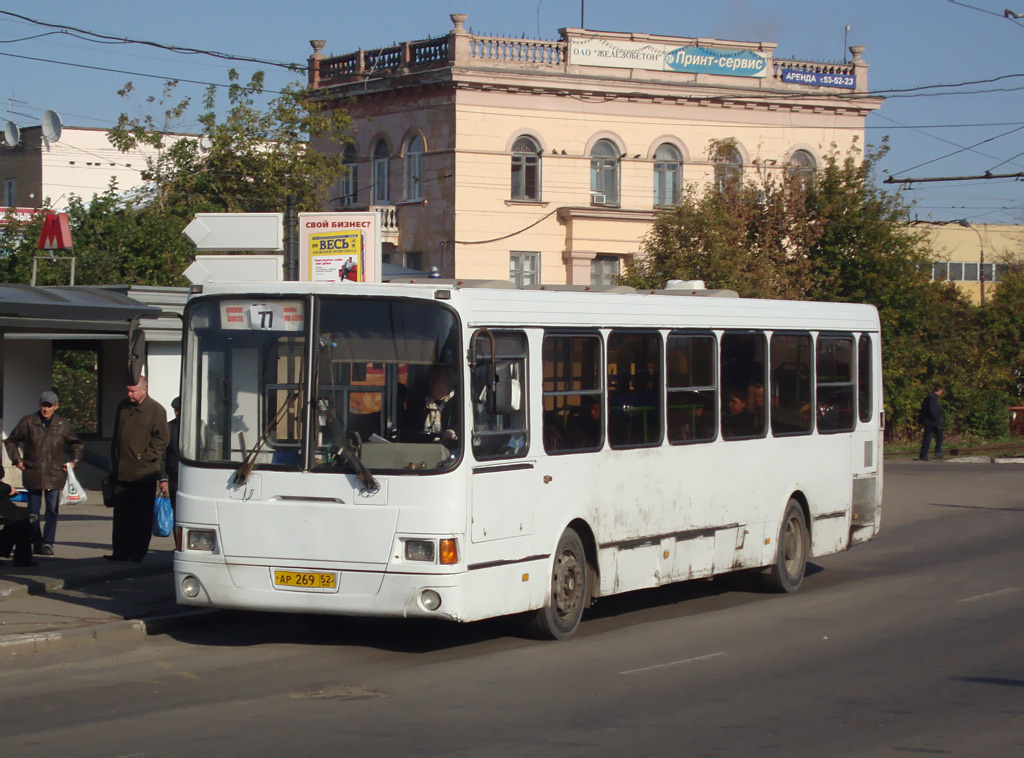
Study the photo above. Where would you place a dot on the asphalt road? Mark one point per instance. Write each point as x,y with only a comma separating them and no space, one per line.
908,645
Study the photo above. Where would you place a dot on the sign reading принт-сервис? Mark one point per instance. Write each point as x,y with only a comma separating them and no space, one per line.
659,57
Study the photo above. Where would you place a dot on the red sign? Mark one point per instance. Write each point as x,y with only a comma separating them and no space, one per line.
56,234
18,215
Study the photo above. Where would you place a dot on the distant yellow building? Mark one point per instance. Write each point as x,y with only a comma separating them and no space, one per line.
544,162
975,256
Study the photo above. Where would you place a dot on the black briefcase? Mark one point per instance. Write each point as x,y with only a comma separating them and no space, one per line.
107,486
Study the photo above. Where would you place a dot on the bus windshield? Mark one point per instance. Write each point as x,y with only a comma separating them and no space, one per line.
387,376
245,378
386,385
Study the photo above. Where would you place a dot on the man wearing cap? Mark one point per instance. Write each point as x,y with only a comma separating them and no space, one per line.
136,455
37,446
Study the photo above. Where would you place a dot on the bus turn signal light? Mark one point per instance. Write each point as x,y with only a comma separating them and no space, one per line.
449,554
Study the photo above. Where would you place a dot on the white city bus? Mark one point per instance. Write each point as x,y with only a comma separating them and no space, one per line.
593,443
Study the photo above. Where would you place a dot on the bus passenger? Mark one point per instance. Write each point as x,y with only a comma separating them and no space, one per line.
738,421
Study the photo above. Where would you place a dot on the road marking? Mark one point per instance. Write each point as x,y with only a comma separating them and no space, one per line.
987,595
673,663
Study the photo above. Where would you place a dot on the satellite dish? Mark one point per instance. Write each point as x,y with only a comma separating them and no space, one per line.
12,134
52,126
205,143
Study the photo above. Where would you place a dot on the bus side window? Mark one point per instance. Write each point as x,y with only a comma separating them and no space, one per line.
742,382
573,413
864,378
791,384
690,378
500,427
835,383
634,388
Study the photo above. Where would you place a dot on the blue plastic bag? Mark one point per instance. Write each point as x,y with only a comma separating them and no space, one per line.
163,517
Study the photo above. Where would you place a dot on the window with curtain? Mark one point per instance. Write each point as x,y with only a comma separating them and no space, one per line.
801,168
381,170
728,168
414,168
350,181
668,169
604,173
525,169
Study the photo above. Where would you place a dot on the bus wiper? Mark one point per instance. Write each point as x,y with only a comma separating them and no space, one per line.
243,471
348,453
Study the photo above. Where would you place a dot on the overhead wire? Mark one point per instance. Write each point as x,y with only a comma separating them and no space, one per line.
113,40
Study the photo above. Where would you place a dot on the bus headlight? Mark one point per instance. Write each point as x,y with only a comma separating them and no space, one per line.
202,539
419,550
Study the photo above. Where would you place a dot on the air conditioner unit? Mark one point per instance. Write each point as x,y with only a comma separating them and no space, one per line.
597,198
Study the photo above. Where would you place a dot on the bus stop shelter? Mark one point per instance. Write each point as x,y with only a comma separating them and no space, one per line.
36,321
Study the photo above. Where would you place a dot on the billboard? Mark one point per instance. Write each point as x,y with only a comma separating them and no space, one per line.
661,57
339,247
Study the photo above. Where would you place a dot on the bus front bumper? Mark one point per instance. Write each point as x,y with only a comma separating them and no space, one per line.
355,592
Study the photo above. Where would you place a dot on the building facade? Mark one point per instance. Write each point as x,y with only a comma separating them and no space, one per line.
546,161
975,256
42,173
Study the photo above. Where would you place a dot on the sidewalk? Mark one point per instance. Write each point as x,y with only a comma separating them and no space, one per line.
77,596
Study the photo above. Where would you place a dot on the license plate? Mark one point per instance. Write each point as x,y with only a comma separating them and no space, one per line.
310,580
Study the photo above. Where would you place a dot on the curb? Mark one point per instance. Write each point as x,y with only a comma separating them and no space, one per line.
113,631
122,630
40,585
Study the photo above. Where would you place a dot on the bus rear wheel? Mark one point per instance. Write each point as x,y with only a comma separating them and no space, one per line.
792,547
569,586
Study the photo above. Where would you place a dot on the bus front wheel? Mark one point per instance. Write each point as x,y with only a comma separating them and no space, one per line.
791,550
558,619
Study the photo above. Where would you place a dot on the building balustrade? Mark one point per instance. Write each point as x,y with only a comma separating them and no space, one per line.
464,49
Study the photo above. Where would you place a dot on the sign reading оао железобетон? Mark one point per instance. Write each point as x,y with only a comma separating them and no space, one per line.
655,57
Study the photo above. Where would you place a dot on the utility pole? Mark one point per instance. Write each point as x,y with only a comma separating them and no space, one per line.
291,240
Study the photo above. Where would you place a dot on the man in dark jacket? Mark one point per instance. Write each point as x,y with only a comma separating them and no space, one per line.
43,437
136,457
931,418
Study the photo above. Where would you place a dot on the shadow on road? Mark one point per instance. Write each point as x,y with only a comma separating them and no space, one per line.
419,636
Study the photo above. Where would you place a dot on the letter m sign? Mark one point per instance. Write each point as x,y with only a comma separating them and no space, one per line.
56,234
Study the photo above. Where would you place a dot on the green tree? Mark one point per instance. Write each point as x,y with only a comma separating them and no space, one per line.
839,237
248,159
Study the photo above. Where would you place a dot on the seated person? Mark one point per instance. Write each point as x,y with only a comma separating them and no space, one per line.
439,416
15,529
737,420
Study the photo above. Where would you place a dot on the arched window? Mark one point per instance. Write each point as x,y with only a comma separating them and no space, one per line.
728,167
414,168
350,181
525,169
801,168
381,170
668,169
604,173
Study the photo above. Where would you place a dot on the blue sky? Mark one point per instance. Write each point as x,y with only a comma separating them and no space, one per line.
960,130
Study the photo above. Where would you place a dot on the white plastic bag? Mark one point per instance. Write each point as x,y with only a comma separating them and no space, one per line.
73,493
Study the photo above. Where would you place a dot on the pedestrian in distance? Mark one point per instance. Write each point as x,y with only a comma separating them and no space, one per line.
137,459
930,417
40,446
169,475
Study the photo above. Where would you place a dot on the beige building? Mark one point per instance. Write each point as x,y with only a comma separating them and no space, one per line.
38,172
545,161
975,256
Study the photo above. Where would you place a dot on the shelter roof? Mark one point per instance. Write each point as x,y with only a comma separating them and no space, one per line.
68,309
